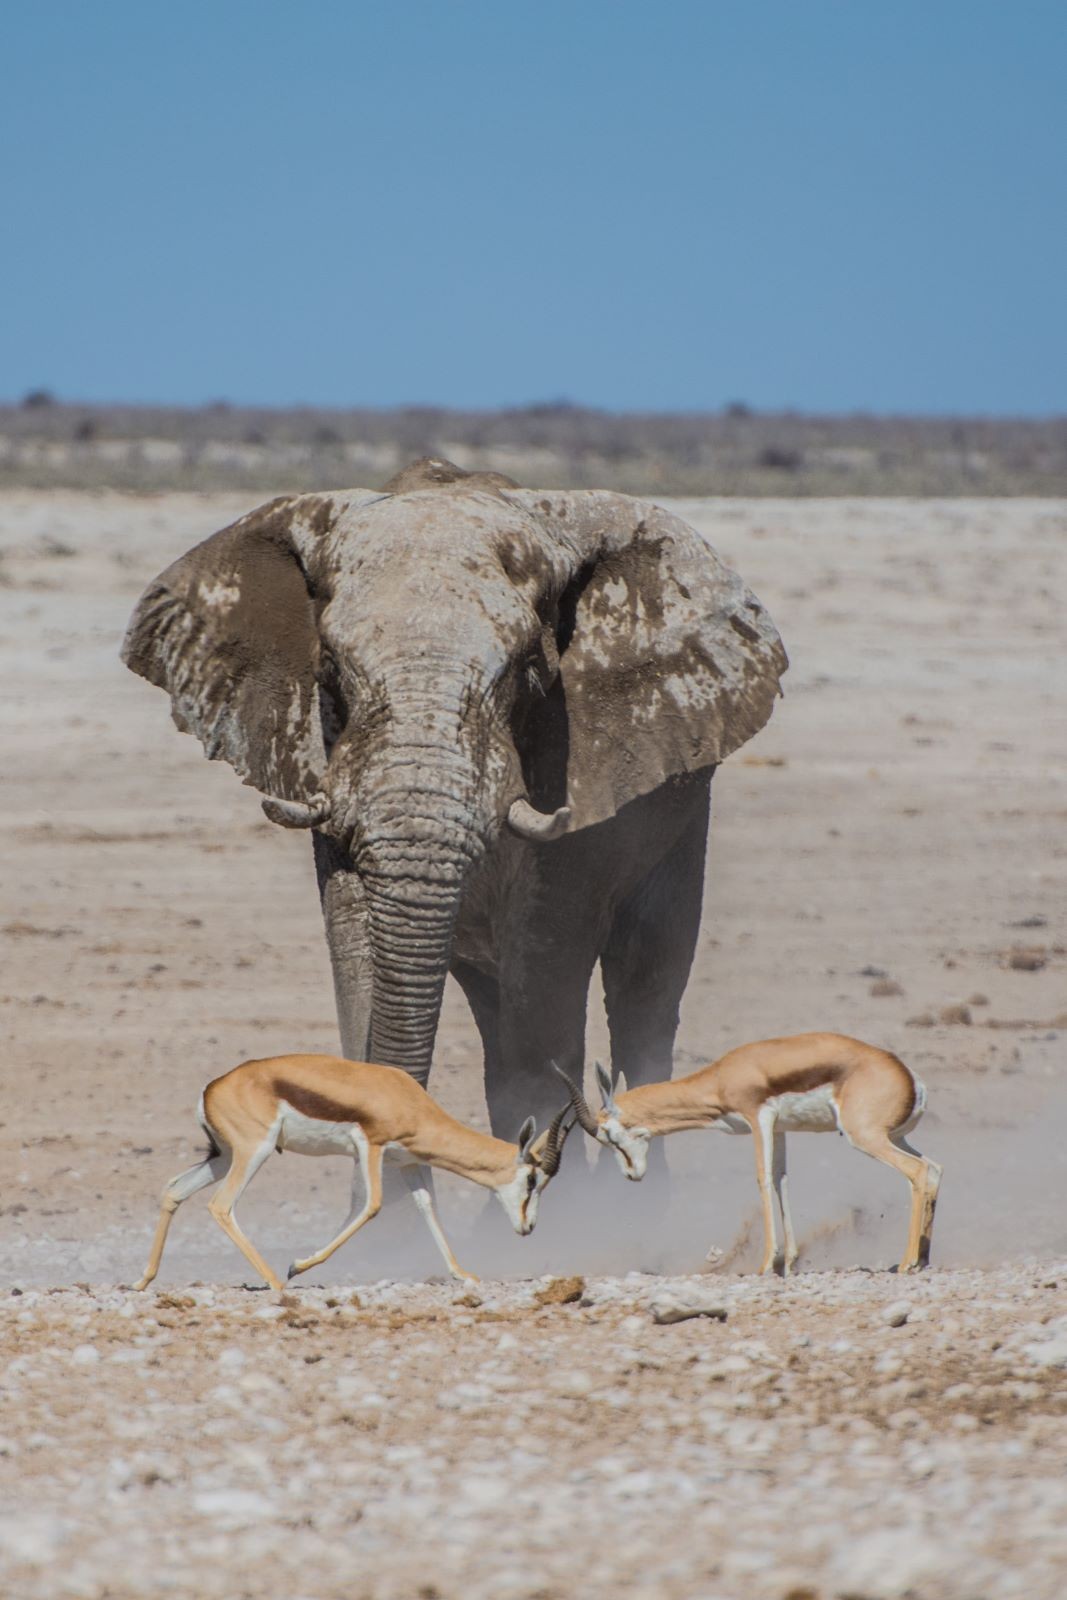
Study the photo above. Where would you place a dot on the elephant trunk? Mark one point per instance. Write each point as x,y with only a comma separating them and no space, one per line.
412,909
421,827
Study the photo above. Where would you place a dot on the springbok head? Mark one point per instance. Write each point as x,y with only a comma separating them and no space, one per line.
537,1162
610,1126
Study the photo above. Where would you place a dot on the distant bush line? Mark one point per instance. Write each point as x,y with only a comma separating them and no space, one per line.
48,444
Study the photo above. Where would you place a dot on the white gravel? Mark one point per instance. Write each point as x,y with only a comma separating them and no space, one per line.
408,1441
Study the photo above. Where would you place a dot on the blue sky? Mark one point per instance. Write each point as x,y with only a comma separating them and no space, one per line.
824,204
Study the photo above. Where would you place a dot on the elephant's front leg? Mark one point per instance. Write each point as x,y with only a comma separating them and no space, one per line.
348,937
649,953
541,1019
646,964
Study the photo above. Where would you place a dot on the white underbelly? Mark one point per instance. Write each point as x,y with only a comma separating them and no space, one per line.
814,1111
313,1136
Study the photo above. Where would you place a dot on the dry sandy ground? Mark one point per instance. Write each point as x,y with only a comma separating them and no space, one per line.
410,1441
899,827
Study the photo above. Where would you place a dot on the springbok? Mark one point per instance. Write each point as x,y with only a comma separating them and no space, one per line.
322,1105
809,1083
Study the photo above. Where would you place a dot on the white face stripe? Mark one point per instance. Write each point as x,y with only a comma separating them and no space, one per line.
520,1196
629,1144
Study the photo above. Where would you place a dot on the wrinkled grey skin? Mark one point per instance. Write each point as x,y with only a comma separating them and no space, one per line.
403,666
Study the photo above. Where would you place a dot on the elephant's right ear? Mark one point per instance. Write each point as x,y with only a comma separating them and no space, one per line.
667,663
229,631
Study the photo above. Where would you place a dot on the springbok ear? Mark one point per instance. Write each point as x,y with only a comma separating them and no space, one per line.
605,1085
667,661
526,1137
230,632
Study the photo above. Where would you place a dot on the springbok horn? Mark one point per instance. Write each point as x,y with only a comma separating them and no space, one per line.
586,1119
294,814
553,1150
529,823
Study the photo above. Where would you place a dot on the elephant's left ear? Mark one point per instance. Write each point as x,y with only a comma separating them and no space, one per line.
230,632
671,662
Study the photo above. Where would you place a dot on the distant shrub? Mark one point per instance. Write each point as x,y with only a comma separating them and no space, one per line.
779,459
554,444
551,408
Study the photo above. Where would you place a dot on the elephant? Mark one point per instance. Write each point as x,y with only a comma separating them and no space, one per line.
499,711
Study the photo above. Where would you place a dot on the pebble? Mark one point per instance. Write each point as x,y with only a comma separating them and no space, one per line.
484,1490
32,1538
234,1505
890,1564
1048,1352
728,1367
897,1313
574,1385
668,1308
463,1397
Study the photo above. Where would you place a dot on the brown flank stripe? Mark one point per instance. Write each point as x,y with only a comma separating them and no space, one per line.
805,1078
310,1103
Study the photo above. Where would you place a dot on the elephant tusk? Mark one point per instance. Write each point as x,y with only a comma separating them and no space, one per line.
529,823
294,814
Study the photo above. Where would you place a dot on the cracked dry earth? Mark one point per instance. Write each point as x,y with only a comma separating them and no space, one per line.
840,1436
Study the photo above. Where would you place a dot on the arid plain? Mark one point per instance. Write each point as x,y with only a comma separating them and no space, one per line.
888,858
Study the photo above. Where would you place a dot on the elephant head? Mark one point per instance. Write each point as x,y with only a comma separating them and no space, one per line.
415,672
